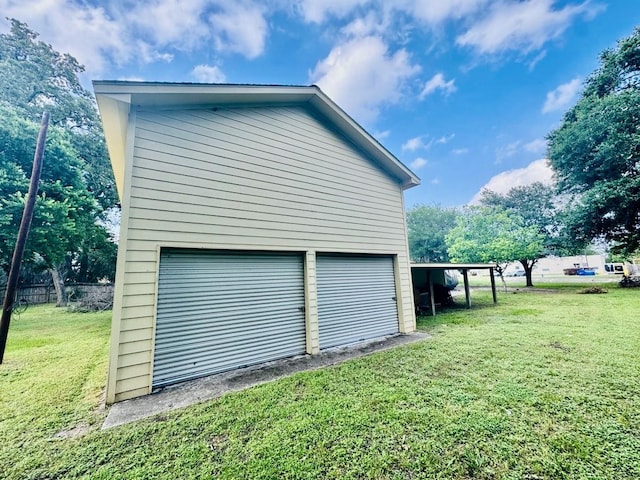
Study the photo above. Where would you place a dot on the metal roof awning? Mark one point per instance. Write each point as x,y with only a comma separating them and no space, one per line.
454,266
464,268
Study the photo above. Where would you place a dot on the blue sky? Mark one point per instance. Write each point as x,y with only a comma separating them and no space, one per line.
462,91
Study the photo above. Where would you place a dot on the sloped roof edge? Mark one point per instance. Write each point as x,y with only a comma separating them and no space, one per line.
116,97
453,266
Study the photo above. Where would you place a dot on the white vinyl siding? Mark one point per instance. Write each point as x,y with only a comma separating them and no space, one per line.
248,179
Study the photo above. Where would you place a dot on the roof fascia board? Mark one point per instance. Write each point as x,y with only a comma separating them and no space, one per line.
161,94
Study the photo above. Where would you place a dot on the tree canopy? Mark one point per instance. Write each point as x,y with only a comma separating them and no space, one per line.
34,77
427,226
596,151
76,184
493,235
539,206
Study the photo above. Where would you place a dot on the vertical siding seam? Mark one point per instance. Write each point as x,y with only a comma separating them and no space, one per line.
399,294
311,302
154,318
410,322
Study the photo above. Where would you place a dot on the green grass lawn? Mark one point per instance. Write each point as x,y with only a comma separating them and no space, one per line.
542,386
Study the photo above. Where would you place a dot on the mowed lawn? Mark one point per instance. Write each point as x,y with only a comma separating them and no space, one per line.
541,386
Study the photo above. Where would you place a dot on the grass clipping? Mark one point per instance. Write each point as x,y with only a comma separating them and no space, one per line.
593,290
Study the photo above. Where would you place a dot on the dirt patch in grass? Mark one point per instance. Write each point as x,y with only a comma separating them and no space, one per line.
533,290
500,289
560,346
78,431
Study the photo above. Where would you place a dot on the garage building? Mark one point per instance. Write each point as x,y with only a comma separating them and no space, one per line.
258,223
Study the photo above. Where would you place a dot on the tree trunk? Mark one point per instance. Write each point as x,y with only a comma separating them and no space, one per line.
528,277
528,270
58,285
500,271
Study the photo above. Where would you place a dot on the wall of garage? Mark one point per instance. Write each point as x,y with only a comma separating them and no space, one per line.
249,179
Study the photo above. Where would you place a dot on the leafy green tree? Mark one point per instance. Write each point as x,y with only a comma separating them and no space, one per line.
77,184
64,222
494,235
33,76
538,205
93,260
427,226
596,151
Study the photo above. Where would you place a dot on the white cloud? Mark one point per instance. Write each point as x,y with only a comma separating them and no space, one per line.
435,181
165,22
370,24
537,59
416,143
413,144
361,76
431,12
88,33
143,31
446,139
209,74
537,171
460,151
418,163
240,27
437,82
539,145
437,11
317,11
523,25
381,135
507,151
561,97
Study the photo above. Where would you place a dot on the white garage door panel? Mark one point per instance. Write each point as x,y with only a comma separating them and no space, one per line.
356,298
219,311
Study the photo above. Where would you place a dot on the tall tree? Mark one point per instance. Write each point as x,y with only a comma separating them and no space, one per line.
596,151
34,76
494,235
65,211
77,183
539,206
427,225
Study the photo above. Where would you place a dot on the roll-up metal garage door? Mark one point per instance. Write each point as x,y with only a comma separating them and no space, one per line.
219,310
356,298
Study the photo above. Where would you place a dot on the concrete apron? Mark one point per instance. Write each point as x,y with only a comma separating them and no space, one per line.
213,386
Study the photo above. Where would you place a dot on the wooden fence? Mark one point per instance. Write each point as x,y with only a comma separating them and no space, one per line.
45,293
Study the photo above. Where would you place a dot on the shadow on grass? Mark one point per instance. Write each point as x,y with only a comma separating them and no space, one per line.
458,313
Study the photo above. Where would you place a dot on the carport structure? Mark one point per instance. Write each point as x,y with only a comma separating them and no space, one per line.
426,274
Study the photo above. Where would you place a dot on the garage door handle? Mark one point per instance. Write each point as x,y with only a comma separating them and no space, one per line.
395,299
302,309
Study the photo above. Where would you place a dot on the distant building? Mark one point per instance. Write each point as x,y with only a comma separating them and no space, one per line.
556,265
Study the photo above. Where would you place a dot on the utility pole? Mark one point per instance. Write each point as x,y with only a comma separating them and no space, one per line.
23,233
